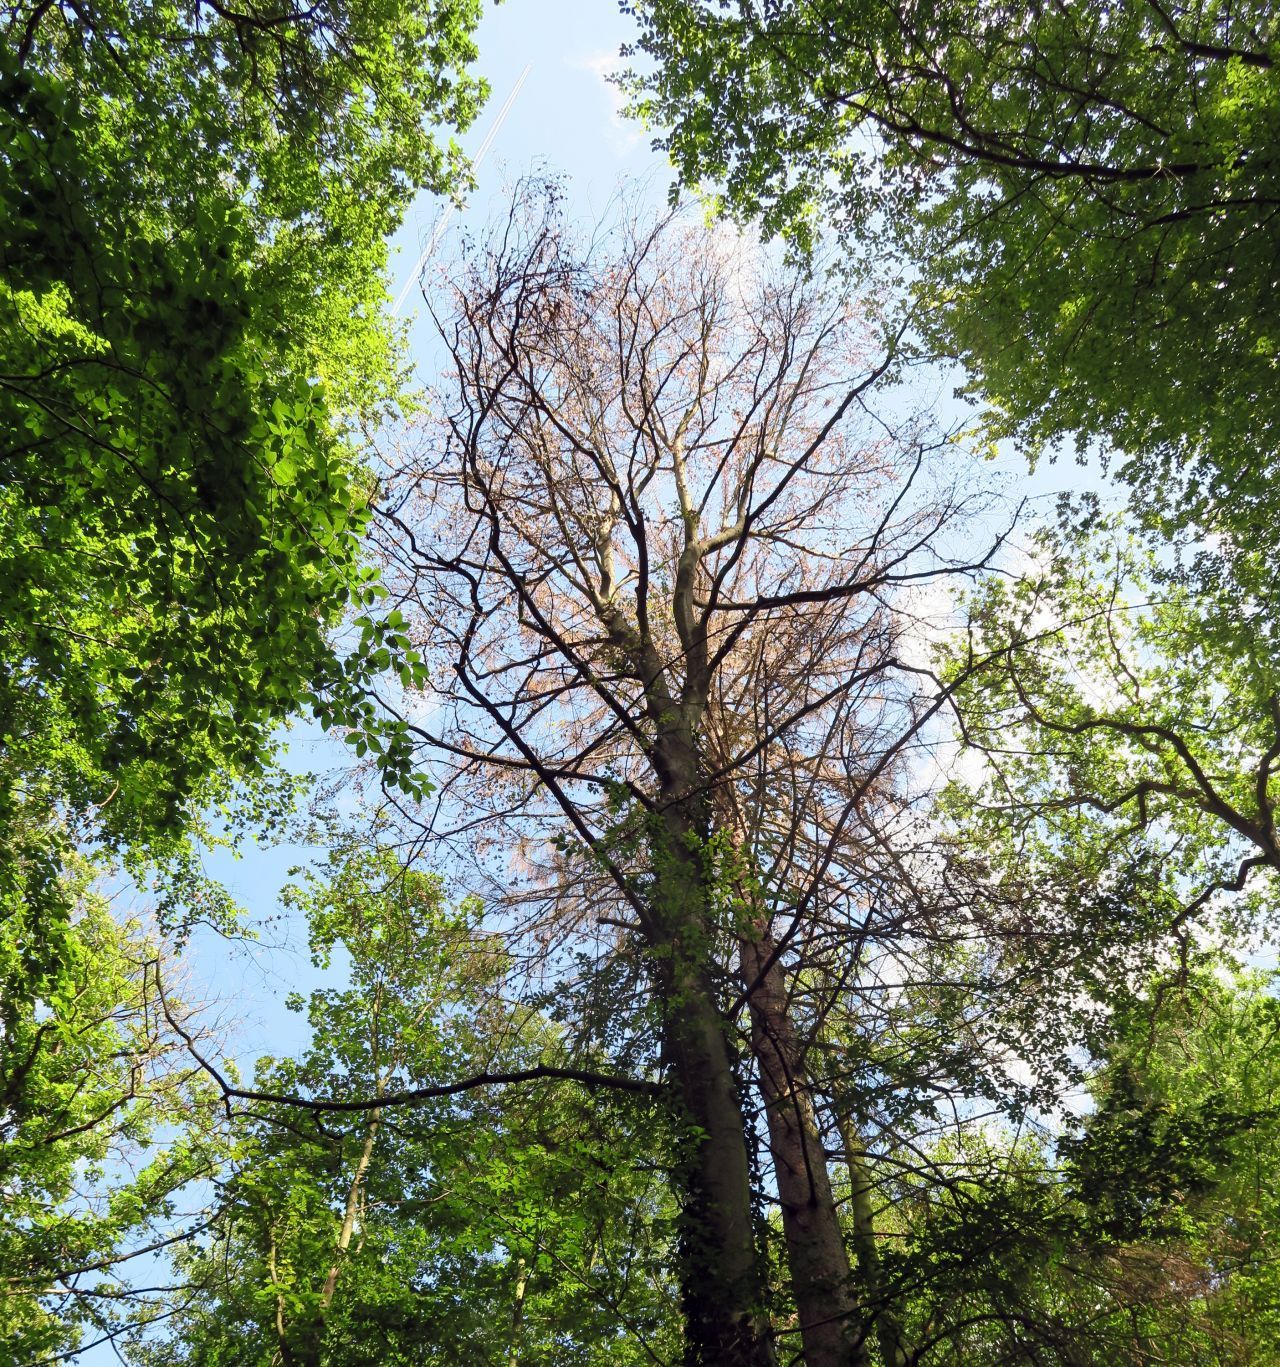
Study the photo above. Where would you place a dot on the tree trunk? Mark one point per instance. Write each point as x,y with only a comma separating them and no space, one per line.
517,1312
726,1324
284,1349
307,1347
351,1211
722,1288
893,1348
821,1278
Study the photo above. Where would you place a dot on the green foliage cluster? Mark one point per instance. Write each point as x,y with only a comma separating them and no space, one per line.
1085,195
104,1121
534,1226
1145,1233
195,206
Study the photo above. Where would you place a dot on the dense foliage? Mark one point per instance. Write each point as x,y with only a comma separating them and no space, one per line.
1086,194
466,1230
195,204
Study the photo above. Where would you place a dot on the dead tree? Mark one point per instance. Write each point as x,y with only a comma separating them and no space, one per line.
651,540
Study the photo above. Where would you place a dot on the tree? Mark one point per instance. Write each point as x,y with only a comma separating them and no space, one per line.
1123,720
105,1125
1139,1230
651,553
520,1226
193,205
1181,1150
1125,704
1087,196
195,202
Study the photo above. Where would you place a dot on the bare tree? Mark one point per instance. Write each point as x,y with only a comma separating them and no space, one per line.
651,541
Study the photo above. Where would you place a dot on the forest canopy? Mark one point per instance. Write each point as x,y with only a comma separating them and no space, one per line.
1085,194
785,892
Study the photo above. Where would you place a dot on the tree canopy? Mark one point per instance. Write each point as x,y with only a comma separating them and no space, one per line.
196,202
838,932
1086,196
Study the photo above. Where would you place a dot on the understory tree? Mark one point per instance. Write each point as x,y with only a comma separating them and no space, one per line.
1141,1231
518,1224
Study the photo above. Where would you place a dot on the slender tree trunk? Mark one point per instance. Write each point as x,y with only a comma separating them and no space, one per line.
517,1312
351,1212
284,1349
893,1347
306,1349
821,1278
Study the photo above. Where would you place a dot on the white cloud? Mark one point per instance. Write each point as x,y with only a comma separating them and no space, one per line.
624,134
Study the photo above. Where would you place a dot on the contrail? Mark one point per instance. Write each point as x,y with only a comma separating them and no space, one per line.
443,221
